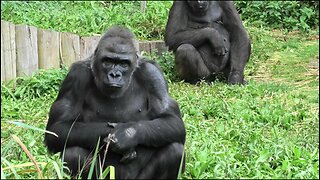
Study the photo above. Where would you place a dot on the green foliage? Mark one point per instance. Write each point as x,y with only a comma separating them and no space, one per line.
41,83
291,15
166,63
87,18
248,131
266,129
31,93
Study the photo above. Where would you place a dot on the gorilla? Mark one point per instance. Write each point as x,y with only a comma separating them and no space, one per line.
208,39
122,99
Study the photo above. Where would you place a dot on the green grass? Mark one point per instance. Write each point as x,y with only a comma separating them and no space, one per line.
88,18
266,129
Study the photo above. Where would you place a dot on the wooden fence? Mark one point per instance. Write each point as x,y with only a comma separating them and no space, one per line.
25,49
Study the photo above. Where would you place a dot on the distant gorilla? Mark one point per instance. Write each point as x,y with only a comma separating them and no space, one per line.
118,93
207,38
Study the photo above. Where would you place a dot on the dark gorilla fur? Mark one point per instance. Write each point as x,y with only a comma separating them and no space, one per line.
123,99
208,39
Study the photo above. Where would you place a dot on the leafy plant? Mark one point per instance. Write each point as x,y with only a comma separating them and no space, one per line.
290,15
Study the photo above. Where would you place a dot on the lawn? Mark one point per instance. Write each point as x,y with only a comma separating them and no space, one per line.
268,128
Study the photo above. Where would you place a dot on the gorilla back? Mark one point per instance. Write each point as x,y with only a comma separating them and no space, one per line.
121,98
207,38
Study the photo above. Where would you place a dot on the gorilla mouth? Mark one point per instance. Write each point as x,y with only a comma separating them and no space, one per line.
113,85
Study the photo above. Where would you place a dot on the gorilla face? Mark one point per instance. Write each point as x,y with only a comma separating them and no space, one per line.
198,7
113,65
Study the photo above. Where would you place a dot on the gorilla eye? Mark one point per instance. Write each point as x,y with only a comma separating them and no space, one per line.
124,64
107,64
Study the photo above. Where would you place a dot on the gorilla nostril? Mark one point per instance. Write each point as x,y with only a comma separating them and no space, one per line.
115,74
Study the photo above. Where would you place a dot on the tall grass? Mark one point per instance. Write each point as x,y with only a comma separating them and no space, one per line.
266,129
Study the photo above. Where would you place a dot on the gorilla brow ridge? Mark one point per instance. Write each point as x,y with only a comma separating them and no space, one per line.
117,35
118,31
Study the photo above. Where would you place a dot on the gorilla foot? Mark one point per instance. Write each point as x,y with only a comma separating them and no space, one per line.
236,78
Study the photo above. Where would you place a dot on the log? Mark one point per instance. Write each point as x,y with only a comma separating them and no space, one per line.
87,46
48,49
27,50
69,48
8,51
158,46
144,46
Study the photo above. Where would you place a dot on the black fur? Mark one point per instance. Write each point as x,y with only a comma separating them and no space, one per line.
207,38
115,92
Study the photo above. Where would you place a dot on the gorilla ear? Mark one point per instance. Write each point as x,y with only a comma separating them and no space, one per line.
138,57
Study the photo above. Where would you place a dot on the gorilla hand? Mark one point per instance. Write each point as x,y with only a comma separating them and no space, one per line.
219,47
123,140
128,155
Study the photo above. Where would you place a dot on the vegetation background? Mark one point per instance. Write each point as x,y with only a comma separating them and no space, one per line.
268,128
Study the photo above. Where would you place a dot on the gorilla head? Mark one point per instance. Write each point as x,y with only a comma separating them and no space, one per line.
114,61
198,7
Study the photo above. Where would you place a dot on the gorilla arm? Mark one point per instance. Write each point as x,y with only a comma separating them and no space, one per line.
165,127
65,113
240,47
178,33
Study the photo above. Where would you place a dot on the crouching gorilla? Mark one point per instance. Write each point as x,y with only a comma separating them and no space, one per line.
116,92
207,38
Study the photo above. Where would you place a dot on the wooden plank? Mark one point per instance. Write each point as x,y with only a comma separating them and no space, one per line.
87,46
143,6
3,74
144,47
27,50
158,46
8,51
136,44
69,49
48,49
3,34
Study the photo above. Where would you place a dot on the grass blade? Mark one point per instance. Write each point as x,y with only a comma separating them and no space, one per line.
112,172
181,165
28,154
3,176
16,176
31,127
94,160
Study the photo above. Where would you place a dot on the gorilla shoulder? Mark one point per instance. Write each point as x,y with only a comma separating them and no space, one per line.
151,76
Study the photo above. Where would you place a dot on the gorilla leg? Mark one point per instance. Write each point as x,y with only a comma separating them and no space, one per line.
189,63
238,61
78,158
164,164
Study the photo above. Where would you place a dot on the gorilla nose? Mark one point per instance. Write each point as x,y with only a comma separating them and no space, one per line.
115,74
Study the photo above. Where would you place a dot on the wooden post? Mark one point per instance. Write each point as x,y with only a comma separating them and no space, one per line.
27,50
144,46
159,46
143,6
136,45
8,51
48,49
69,48
87,46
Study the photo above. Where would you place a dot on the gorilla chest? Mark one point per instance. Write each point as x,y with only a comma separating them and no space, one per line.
134,108
212,16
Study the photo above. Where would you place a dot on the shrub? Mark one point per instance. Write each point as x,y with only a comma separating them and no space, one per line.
290,15
87,18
